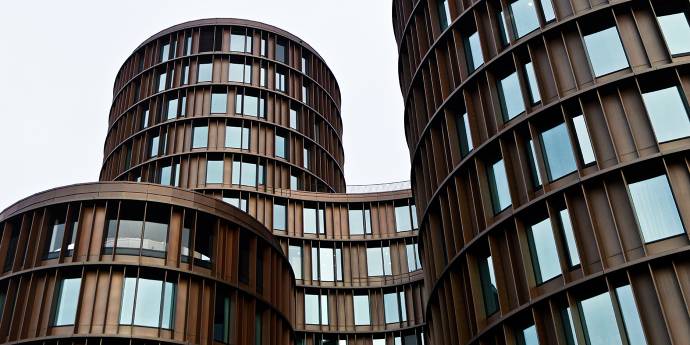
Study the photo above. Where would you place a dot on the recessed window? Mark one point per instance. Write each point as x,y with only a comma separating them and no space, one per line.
66,301
326,264
525,19
223,316
568,326
145,119
473,50
214,171
293,119
136,236
239,42
443,14
464,134
489,286
413,262
655,208
202,252
185,73
281,146
295,257
147,302
510,96
166,175
249,105
379,261
305,64
503,28
281,81
164,52
205,71
403,219
599,321
281,51
359,221
605,51
162,81
533,84
528,336
239,202
542,245
305,94
631,317
498,185
154,147
558,153
200,137
188,45
394,307
547,8
279,217
532,155
676,31
315,309
668,113
263,77
172,109
247,174
583,140
58,233
569,235
219,103
361,310
313,220
294,182
240,73
237,137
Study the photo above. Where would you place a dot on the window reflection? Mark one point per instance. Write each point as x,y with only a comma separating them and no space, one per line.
655,208
668,113
153,305
676,31
605,51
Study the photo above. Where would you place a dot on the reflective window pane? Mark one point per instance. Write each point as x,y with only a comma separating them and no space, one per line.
324,309
295,256
606,51
66,302
361,306
309,220
464,134
281,147
599,321
200,137
655,209
219,103
489,287
223,317
631,318
536,176
443,13
528,336
498,184
668,114
390,307
148,301
249,174
374,262
402,218
558,153
533,84
356,222
510,95
214,172
293,119
547,8
326,264
569,235
172,109
583,140
311,309
676,32
205,72
237,137
279,217
473,50
525,18
544,253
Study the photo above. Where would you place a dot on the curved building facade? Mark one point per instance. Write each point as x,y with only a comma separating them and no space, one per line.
549,142
250,114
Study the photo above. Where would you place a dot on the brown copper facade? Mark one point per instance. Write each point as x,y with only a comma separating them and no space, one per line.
297,178
489,87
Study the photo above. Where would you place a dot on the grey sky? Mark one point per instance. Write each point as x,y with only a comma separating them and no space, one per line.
60,59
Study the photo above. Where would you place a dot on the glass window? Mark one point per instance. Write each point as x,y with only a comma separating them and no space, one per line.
542,245
237,137
219,103
294,182
473,50
279,217
528,336
162,81
172,109
166,175
631,318
361,306
305,94
262,77
248,175
311,223
599,321
240,43
532,81
57,235
154,304
205,71
305,158
249,105
413,262
315,305
145,119
281,147
263,47
223,323
394,307
547,8
154,146
536,177
402,218
200,137
374,262
510,95
568,326
66,301
489,286
240,202
464,134
359,222
240,73
655,209
498,184
443,14
164,52
293,118
525,18
188,45
503,27
214,171
583,140
606,51
558,153
185,74
326,259
569,235
281,52
668,113
281,82
676,31
295,256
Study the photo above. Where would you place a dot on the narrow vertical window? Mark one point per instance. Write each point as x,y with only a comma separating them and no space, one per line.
162,81
361,310
281,51
510,96
605,51
569,235
542,245
279,217
66,301
655,209
293,119
172,109
558,153
583,140
464,134
154,147
280,146
528,336
489,286
295,256
473,50
547,8
498,185
631,318
532,81
536,176
223,321
443,14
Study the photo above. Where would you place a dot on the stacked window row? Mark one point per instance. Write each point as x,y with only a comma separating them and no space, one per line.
240,42
152,233
366,310
135,302
610,220
567,60
409,337
637,118
641,305
353,264
214,136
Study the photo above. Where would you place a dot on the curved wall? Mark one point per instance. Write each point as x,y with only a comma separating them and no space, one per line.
549,147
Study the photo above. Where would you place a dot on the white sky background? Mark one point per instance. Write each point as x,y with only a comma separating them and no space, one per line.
59,60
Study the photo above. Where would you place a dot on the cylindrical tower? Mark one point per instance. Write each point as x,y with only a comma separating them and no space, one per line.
549,144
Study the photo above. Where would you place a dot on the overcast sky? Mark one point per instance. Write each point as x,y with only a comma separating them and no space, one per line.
59,61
